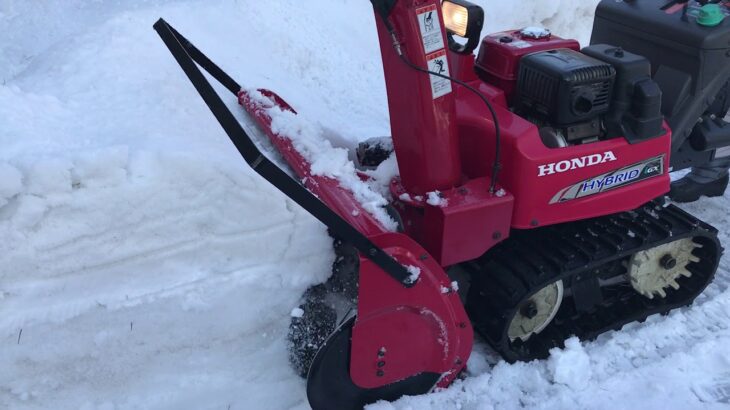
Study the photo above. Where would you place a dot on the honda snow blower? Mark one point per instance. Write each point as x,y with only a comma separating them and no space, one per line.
532,174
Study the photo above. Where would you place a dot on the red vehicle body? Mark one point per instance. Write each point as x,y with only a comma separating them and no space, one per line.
385,307
410,334
447,145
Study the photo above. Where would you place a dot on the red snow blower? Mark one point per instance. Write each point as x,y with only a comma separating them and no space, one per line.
530,200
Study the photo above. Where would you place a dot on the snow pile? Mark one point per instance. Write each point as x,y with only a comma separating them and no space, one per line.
143,265
565,18
570,366
102,273
10,183
325,160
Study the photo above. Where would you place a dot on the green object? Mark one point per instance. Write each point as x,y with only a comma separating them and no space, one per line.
711,15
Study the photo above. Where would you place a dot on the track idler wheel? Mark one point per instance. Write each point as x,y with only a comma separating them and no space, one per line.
330,387
536,313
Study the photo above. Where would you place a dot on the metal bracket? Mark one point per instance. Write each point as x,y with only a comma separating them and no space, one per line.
586,293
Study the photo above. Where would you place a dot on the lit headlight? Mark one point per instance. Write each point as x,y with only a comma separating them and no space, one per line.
456,18
463,19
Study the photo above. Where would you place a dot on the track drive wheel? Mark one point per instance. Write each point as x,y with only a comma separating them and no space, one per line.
654,270
330,387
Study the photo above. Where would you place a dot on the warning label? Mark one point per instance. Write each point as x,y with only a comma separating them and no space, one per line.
433,38
438,63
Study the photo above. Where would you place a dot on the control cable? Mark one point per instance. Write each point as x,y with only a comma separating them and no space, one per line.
496,167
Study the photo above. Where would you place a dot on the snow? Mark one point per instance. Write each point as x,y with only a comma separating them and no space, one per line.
297,312
453,288
144,266
325,159
570,366
381,176
10,183
415,273
436,199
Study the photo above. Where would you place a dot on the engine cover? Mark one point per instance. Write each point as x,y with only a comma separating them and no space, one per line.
500,55
564,86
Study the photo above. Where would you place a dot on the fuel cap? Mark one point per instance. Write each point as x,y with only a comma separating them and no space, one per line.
535,33
710,15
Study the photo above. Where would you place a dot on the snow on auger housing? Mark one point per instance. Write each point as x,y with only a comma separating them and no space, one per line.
529,204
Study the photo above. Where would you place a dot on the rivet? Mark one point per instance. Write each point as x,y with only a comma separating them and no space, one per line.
381,363
380,373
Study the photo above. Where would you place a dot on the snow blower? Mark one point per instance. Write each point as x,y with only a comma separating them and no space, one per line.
530,202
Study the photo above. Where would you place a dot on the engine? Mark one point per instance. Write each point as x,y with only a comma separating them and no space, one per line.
574,96
567,93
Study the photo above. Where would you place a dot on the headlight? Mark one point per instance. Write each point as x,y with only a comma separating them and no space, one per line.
456,18
465,20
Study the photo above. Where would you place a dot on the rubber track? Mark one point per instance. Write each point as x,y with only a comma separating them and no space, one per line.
511,273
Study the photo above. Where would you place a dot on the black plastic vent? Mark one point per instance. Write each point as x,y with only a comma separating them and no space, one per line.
565,86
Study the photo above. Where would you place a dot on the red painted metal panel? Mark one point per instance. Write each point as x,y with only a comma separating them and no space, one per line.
499,56
423,127
535,193
469,221
472,223
421,329
523,153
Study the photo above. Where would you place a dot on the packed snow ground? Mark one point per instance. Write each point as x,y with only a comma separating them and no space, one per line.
143,266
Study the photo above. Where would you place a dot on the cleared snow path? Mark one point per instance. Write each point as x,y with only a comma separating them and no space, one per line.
143,266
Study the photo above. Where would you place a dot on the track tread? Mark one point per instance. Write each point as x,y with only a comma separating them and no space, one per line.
512,272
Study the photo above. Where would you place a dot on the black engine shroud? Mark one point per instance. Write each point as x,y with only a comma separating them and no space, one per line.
565,86
689,61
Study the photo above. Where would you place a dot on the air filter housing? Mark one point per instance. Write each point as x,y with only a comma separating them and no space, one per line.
564,86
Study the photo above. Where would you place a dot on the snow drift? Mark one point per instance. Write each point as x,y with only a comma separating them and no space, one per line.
142,265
